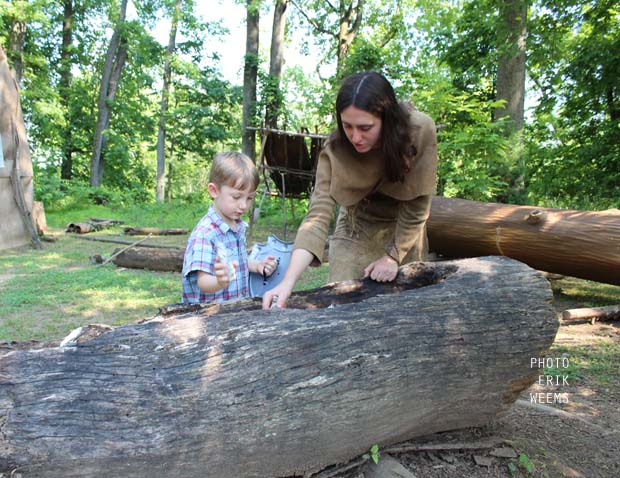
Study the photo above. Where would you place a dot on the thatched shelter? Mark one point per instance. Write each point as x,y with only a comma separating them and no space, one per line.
16,184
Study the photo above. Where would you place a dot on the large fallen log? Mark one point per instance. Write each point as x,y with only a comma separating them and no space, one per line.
583,244
149,258
229,390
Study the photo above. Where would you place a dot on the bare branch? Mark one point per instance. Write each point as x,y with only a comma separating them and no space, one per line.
312,22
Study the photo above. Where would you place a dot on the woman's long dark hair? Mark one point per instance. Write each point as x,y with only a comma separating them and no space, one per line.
372,92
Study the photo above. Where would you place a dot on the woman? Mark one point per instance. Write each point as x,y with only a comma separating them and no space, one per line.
380,166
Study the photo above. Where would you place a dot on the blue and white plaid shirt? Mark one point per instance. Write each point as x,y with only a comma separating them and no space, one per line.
200,255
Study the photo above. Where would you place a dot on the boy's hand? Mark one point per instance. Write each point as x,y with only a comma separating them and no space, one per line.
221,272
268,266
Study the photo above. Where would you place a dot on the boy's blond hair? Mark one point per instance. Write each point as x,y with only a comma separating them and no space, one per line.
235,170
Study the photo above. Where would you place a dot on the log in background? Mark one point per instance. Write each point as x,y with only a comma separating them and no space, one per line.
232,391
583,244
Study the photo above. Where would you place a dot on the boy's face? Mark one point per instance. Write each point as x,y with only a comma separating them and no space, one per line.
231,202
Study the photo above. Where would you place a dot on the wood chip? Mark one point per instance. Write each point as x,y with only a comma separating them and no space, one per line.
483,460
504,452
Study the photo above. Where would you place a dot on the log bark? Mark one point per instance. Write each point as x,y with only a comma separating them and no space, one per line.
156,231
583,244
229,390
149,258
609,312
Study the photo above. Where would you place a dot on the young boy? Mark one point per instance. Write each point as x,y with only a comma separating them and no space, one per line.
216,266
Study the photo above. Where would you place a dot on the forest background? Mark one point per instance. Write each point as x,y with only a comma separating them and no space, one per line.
526,94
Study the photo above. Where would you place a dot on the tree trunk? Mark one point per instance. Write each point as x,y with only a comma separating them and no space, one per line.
511,66
250,73
510,84
152,259
228,390
275,65
66,63
114,63
165,94
575,243
350,22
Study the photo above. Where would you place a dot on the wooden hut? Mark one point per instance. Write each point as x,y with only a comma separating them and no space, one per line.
16,183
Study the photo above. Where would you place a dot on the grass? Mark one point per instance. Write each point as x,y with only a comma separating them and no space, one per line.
44,294
588,293
594,363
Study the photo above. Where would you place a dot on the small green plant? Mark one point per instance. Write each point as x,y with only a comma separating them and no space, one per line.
374,453
526,463
522,468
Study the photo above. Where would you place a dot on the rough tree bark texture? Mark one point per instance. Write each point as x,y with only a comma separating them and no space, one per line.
233,391
582,244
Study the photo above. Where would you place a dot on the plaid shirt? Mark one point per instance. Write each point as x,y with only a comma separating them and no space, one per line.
200,255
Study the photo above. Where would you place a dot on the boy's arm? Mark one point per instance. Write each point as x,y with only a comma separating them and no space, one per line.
209,284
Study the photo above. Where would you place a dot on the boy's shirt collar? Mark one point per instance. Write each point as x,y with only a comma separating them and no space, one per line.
223,226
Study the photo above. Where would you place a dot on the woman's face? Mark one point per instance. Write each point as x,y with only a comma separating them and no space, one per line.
362,128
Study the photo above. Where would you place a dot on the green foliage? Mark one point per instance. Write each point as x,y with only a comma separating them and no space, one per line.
58,194
374,453
441,55
523,467
574,139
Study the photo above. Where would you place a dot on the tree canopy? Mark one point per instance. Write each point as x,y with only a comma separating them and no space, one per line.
451,58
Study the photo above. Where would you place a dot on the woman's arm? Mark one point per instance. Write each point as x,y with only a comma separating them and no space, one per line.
409,233
311,235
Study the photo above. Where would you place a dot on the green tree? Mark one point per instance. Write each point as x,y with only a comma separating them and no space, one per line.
115,58
574,140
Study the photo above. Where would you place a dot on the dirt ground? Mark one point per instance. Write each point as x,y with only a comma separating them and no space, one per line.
574,433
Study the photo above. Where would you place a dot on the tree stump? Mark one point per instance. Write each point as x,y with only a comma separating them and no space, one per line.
229,390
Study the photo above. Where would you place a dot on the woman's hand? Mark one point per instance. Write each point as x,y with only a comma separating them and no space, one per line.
300,259
382,270
279,293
